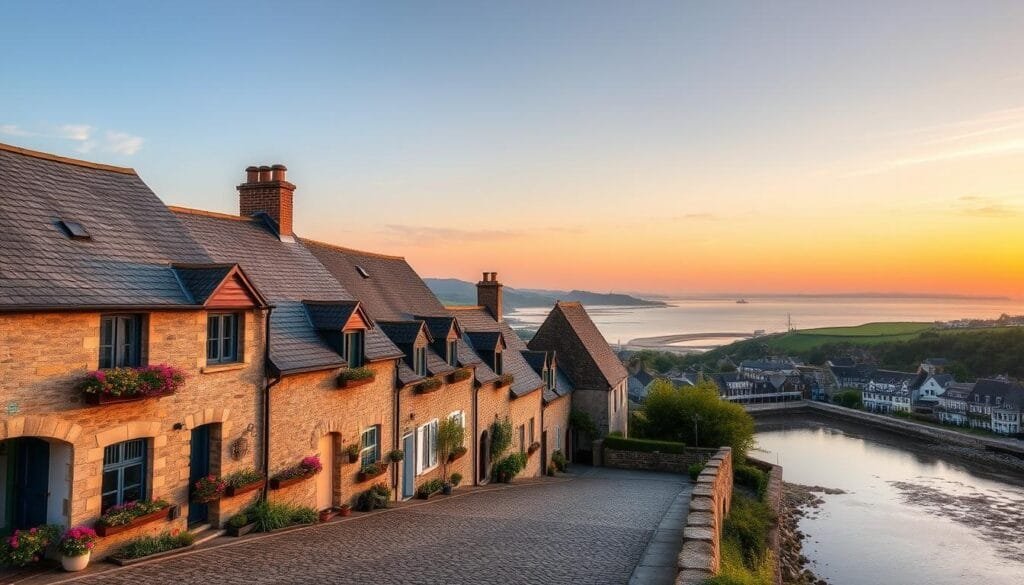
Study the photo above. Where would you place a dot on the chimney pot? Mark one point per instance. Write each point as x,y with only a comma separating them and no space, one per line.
489,295
264,174
267,191
277,172
252,174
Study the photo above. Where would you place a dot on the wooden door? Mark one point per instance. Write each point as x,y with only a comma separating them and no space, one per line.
326,478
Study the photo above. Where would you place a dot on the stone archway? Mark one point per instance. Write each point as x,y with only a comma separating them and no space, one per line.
36,454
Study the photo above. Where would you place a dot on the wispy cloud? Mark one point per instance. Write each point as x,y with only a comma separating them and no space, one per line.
986,207
86,137
428,235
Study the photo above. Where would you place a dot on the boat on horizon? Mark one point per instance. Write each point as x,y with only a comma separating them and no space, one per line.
742,302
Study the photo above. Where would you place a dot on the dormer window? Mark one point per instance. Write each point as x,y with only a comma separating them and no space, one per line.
499,363
453,353
550,374
353,348
419,360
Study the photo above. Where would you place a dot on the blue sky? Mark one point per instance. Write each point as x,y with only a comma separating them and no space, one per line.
563,143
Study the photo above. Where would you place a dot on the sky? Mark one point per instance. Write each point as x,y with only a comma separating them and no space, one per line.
665,147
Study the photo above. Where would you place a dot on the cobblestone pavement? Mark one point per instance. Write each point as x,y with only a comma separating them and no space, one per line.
590,529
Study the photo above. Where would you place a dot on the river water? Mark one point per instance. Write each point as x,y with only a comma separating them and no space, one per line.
908,516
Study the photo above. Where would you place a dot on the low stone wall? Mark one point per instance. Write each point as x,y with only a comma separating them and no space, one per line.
669,462
773,499
709,505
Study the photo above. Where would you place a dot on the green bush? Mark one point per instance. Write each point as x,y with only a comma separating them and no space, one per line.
507,468
273,515
558,458
355,374
582,422
455,479
151,545
242,477
644,445
428,487
751,477
901,414
848,398
698,417
694,470
238,520
748,523
378,496
501,437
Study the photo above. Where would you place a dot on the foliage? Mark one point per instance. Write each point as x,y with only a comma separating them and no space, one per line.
238,520
558,458
455,479
352,450
697,417
748,523
378,496
848,398
582,422
355,374
429,487
734,570
208,489
507,468
274,515
158,379
694,470
125,513
374,469
643,445
460,375
77,541
458,452
307,467
616,434
151,545
396,455
242,477
751,477
27,546
506,380
428,385
501,437
450,436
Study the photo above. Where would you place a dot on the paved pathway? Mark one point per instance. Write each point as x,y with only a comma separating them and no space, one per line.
592,528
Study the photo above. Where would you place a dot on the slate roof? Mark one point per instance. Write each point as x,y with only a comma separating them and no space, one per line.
583,352
126,262
332,316
287,274
401,332
477,320
644,377
201,280
1010,391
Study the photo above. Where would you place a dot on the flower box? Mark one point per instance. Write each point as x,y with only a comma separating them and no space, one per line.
241,530
533,448
131,384
103,398
429,385
457,454
281,483
354,377
354,383
459,375
103,529
371,471
232,491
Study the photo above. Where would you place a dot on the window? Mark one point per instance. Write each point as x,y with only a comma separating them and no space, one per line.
531,431
499,363
120,341
552,377
522,438
369,451
353,347
453,353
124,473
419,360
222,338
427,452
459,417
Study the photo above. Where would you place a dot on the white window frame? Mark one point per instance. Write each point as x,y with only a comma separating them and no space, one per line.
558,438
374,447
426,434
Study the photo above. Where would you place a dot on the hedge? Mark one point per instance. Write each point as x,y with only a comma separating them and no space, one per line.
644,445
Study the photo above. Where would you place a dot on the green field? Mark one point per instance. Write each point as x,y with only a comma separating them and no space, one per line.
867,334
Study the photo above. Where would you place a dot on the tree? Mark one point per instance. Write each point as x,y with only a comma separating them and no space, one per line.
698,417
450,436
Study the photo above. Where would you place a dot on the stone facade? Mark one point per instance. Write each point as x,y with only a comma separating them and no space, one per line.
700,556
556,425
670,462
44,358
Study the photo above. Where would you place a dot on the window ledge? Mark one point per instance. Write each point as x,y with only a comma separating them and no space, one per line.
223,367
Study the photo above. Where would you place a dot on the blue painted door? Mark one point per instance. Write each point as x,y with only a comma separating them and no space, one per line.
409,466
31,482
199,467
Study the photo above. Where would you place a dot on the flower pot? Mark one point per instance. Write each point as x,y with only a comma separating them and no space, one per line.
446,489
326,515
345,511
75,564
353,458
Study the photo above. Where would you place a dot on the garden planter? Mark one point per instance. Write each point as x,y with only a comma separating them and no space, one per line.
166,553
102,399
104,530
353,458
354,383
428,386
459,376
367,476
276,484
446,489
232,491
75,564
533,448
457,454
428,495
241,530
345,511
326,515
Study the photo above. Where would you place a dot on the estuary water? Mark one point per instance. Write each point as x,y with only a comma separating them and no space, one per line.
909,516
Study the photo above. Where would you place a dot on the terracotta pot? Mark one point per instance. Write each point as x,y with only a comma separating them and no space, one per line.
345,511
75,564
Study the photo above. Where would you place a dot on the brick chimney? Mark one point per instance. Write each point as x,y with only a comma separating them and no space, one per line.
488,294
266,190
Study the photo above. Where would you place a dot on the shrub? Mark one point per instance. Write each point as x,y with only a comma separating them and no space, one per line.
274,515
304,515
507,468
77,541
396,455
238,520
158,379
644,445
751,477
428,385
450,436
242,477
378,496
460,375
352,451
501,437
456,479
849,399
125,513
901,414
355,374
551,470
582,422
458,452
694,470
27,546
208,489
558,458
151,545
428,487
748,523
698,417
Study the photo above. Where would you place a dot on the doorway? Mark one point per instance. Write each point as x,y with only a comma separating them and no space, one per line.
484,455
199,467
543,452
408,466
325,480
26,483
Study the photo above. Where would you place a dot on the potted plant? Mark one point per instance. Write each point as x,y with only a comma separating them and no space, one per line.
458,453
130,384
430,488
533,448
353,377
353,452
560,461
450,436
456,479
326,515
243,481
396,455
345,510
240,524
26,546
371,471
129,515
76,548
429,385
208,489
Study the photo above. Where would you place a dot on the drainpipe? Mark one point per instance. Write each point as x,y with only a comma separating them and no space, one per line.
269,382
396,423
476,430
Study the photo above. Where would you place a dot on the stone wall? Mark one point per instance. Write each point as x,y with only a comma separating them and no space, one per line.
710,502
669,462
773,499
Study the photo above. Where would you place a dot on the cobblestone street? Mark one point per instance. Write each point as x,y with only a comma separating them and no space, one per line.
591,528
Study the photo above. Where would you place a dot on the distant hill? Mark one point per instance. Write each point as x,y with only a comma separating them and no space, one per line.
453,291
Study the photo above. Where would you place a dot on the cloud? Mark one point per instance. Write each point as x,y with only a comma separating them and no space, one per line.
426,235
85,136
122,143
986,207
13,130
77,132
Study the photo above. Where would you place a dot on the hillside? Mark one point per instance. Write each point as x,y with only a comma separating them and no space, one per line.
453,291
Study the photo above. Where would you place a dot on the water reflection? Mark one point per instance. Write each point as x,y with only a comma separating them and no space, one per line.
909,516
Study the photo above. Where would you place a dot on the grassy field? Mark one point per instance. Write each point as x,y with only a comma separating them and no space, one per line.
867,334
